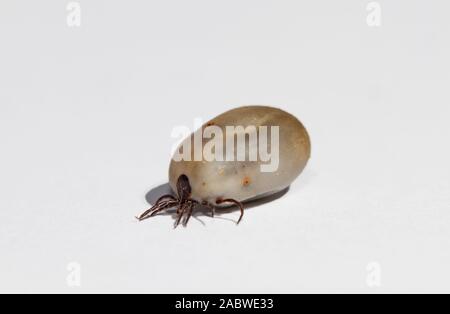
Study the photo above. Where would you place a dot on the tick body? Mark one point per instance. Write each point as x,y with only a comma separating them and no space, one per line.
218,171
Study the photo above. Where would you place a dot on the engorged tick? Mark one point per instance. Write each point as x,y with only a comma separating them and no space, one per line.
220,182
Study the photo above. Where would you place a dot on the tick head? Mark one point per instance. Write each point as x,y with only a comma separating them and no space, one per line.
183,188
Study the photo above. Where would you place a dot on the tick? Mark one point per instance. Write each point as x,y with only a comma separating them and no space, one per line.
243,154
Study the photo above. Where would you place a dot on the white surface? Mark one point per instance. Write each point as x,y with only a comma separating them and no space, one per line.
85,122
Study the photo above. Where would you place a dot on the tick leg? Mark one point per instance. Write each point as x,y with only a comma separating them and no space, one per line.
180,212
159,206
237,203
210,206
167,205
188,214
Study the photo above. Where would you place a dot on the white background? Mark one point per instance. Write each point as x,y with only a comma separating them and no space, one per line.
86,116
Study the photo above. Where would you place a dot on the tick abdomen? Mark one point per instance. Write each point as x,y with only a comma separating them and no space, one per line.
240,178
